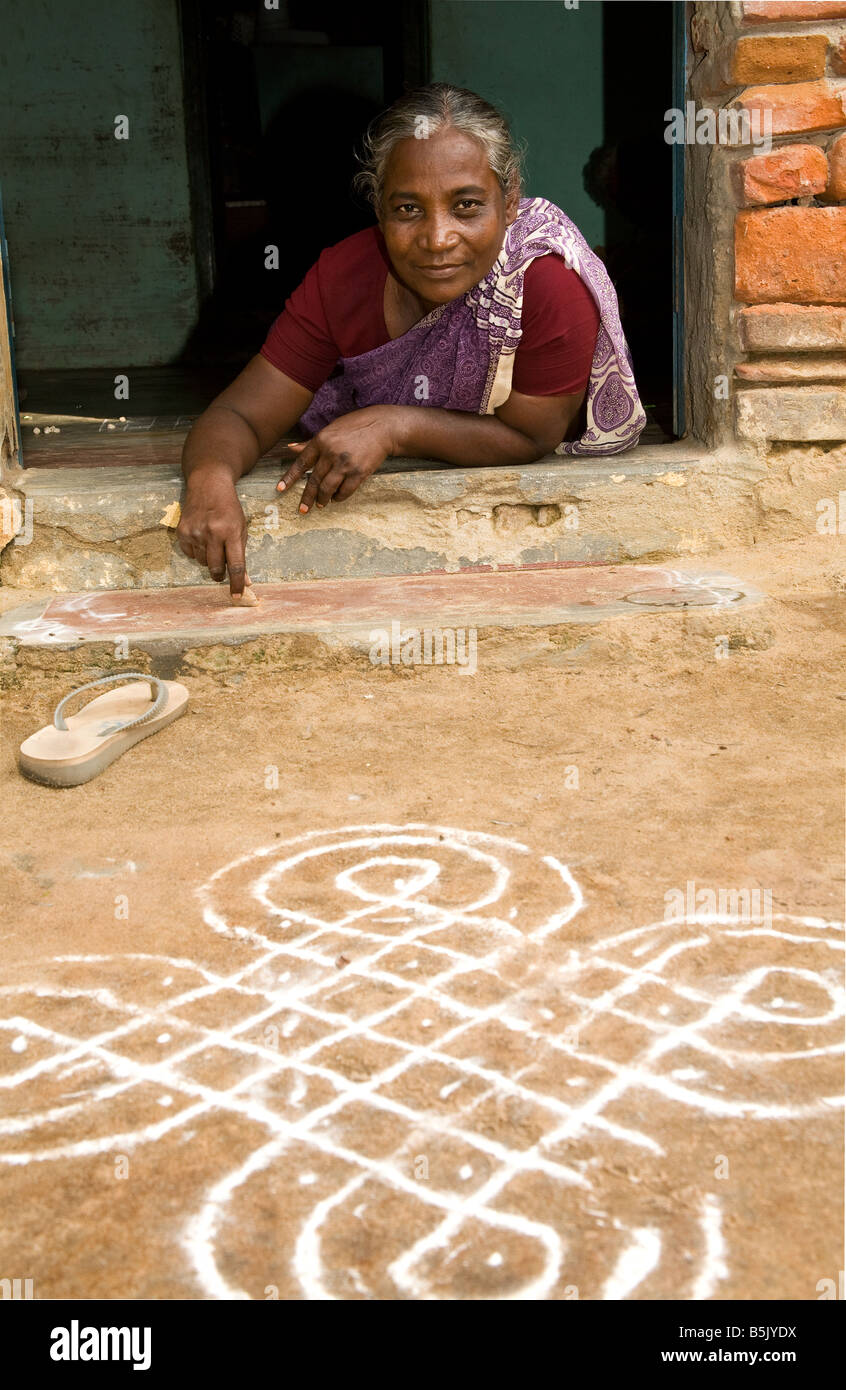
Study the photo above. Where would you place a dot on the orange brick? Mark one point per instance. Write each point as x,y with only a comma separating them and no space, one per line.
836,190
760,12
799,106
797,255
797,171
838,57
801,367
779,58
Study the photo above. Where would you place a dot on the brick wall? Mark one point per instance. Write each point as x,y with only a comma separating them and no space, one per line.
787,312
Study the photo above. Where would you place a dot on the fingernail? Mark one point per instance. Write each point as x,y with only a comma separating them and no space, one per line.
303,507
320,505
281,487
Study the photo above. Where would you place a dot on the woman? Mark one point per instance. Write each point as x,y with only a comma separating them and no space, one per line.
469,326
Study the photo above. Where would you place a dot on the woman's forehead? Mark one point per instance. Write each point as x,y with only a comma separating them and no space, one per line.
448,160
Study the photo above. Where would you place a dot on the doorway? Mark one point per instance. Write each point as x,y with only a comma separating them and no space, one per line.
261,110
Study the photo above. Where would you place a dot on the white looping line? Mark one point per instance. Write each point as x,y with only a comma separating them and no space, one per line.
635,1264
416,959
714,1267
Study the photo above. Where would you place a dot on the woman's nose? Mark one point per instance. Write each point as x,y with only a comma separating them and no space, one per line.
436,234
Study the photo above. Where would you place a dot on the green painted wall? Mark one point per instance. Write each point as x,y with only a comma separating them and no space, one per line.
99,229
541,64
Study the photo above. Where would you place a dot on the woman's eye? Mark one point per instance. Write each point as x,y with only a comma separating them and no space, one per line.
469,203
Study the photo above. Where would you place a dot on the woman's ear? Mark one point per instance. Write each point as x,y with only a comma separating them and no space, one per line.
512,204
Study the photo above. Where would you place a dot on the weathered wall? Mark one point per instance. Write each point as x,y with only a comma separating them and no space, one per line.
9,441
11,508
765,233
99,229
114,529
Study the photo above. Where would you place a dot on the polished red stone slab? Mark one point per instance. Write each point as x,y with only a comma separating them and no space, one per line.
475,598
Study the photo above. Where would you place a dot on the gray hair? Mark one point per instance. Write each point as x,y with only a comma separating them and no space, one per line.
422,113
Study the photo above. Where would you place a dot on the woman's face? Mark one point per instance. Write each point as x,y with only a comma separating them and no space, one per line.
443,215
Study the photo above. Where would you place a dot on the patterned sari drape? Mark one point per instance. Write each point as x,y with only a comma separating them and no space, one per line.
461,355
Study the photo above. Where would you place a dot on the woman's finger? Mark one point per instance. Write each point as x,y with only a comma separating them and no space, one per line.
236,563
351,482
297,470
299,467
216,560
329,486
321,469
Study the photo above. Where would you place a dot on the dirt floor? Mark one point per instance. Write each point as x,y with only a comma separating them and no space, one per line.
360,983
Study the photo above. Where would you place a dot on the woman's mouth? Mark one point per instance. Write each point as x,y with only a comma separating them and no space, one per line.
439,272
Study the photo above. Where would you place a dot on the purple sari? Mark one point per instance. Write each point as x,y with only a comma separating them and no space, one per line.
461,355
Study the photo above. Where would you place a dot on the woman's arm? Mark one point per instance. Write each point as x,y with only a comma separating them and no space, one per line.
520,431
353,447
225,442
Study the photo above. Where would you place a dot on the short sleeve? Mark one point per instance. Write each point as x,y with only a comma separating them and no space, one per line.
300,341
560,323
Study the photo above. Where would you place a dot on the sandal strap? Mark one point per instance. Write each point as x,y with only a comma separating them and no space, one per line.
158,696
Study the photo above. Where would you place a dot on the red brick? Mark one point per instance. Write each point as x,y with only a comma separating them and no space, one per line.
761,12
793,254
797,171
798,327
836,189
779,58
838,57
799,106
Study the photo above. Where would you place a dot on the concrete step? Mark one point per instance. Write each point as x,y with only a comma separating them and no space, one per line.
107,528
549,613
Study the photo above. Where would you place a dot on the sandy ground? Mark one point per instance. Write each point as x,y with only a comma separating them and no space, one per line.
363,984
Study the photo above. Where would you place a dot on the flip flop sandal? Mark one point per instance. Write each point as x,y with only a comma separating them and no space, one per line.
69,752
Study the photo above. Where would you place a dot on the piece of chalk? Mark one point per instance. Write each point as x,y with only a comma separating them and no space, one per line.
246,600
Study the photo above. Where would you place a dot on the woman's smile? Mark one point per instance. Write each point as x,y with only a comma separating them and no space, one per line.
441,271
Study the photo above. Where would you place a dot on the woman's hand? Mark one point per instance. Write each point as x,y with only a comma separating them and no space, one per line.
212,528
341,456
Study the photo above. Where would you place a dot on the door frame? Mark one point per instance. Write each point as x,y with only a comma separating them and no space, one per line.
11,457
192,38
679,89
